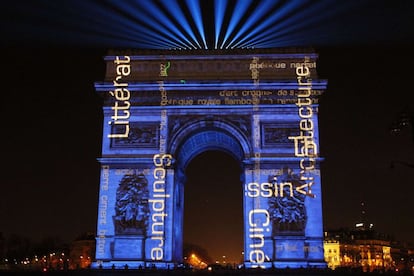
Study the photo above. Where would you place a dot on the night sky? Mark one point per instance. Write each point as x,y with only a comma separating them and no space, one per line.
51,129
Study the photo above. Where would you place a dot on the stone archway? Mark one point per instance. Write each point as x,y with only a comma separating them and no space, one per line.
213,208
259,106
204,135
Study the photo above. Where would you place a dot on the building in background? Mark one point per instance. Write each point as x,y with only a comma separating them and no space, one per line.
332,253
82,251
364,250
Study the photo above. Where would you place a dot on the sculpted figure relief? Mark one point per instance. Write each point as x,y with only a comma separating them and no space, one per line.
131,208
288,213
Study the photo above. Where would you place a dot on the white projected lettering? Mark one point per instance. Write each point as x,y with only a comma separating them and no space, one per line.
161,161
261,107
157,204
242,101
209,101
163,129
267,190
102,209
255,65
284,189
163,93
254,70
304,143
164,101
122,96
105,178
100,242
259,220
307,63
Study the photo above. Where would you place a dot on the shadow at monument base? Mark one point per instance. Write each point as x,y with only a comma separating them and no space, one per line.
241,272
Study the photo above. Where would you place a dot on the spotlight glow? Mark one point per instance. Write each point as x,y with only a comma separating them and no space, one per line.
239,11
195,10
204,24
219,17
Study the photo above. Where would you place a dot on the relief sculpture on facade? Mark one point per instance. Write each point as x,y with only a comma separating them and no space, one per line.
131,208
288,213
140,134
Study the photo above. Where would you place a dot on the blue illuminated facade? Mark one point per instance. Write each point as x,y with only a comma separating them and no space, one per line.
162,109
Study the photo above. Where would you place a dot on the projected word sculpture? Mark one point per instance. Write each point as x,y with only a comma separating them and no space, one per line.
162,109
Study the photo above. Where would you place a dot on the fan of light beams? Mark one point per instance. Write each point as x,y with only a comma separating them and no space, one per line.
192,24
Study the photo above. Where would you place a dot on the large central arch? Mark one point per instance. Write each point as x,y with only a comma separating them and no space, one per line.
213,210
163,109
195,138
199,135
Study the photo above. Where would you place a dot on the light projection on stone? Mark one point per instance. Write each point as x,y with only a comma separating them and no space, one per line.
163,108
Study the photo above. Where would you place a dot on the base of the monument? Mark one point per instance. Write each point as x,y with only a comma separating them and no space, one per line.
295,264
128,264
298,252
289,264
129,247
289,248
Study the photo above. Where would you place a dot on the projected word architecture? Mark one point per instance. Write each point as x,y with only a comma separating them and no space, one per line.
305,145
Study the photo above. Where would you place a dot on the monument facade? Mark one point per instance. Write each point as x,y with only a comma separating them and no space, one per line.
162,109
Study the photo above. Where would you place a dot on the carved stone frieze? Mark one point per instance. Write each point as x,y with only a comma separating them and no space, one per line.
141,134
132,208
241,123
287,210
278,134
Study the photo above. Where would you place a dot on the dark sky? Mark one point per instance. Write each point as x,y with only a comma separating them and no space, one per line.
51,137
